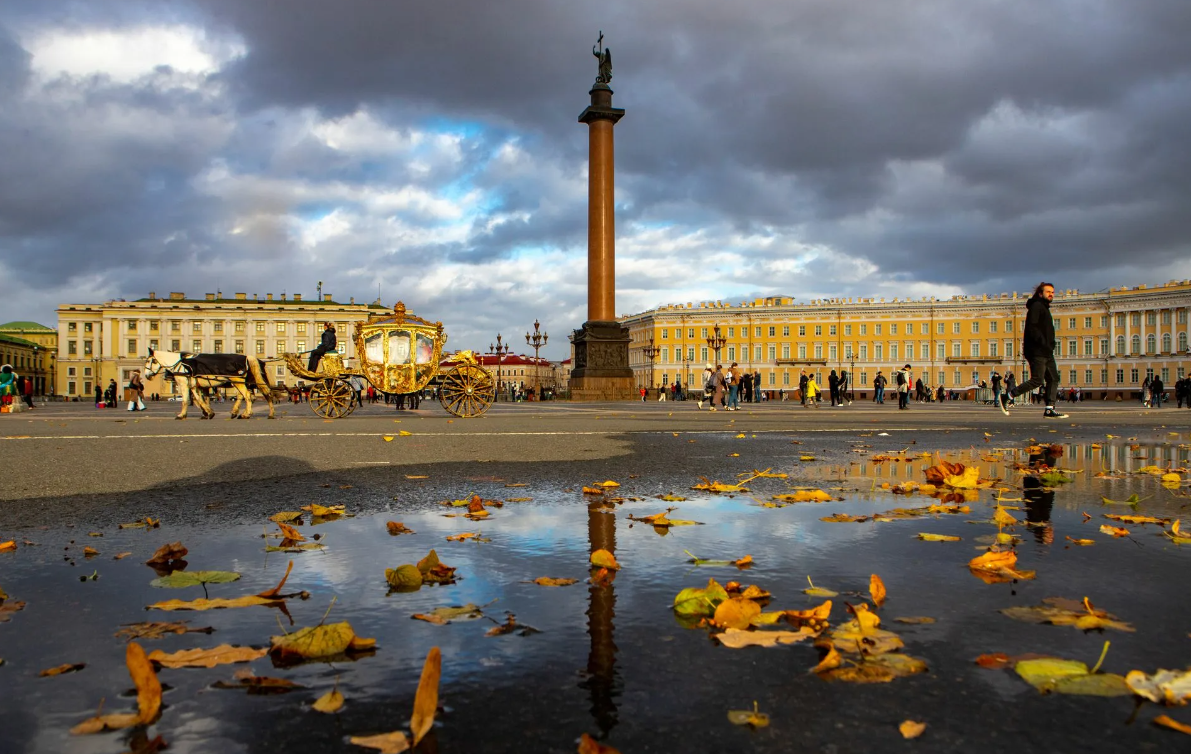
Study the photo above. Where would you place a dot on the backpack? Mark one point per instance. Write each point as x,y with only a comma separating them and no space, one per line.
710,384
901,378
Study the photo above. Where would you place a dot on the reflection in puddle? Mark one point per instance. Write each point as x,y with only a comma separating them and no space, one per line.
619,636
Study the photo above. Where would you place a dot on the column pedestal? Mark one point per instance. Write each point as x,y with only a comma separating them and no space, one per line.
602,371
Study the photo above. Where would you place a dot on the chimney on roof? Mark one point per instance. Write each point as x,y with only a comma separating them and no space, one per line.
297,297
283,297
268,296
241,296
210,296
152,296
175,296
327,297
352,300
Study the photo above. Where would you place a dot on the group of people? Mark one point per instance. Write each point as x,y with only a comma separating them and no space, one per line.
726,388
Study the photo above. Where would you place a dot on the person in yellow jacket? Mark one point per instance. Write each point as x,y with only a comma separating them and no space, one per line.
812,391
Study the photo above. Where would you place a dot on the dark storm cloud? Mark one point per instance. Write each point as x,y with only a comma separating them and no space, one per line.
967,144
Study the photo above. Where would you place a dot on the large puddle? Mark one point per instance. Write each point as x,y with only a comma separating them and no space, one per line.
611,659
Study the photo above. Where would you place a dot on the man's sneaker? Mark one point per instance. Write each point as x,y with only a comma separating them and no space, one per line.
700,404
1050,413
1003,403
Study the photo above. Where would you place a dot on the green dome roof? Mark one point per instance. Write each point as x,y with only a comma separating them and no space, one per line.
28,326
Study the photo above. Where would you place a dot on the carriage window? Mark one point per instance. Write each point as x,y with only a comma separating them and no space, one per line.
398,346
425,351
374,348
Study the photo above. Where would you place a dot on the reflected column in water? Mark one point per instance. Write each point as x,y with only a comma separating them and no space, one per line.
602,680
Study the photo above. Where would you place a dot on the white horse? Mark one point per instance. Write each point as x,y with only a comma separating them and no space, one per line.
190,372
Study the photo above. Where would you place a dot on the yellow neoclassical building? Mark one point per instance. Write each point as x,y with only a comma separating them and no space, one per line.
102,342
1108,342
31,349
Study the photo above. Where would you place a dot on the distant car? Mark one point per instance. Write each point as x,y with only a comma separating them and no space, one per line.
174,398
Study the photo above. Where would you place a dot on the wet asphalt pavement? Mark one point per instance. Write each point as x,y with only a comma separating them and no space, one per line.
613,663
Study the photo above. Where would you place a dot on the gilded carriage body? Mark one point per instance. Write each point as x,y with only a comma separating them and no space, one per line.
397,353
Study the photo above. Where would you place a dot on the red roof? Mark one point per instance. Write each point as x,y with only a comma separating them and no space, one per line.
512,359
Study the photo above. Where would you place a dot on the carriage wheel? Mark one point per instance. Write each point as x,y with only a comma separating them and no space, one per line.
467,390
332,399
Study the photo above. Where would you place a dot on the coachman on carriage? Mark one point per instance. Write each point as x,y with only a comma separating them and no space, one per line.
398,353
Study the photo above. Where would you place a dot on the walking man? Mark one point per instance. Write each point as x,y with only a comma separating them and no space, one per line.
802,383
1038,346
879,383
995,380
1157,390
708,384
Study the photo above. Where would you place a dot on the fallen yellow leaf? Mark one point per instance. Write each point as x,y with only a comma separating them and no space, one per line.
734,638
148,696
426,698
604,559
224,654
876,589
1116,531
547,581
330,702
1167,722
910,728
59,670
938,537
386,743
313,642
753,718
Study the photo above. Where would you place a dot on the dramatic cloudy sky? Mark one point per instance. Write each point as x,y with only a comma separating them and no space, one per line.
430,150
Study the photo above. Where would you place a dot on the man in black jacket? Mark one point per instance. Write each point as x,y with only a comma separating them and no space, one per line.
326,345
1038,346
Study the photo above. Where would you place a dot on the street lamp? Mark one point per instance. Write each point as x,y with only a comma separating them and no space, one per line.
715,342
650,352
500,351
852,373
537,341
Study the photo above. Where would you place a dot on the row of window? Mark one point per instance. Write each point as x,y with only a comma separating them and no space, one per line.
196,327
908,328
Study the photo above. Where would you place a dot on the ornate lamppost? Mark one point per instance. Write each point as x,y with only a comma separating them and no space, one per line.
537,341
650,352
500,351
715,342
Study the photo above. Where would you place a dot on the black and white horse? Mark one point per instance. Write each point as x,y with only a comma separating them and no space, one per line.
191,372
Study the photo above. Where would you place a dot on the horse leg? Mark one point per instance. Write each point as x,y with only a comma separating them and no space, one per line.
183,386
201,402
245,394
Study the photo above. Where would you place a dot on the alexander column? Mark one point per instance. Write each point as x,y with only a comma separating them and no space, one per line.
602,371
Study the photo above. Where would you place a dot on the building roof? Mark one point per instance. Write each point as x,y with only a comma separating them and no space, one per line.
19,341
21,326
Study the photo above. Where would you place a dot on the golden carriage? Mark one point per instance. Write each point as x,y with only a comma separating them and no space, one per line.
397,353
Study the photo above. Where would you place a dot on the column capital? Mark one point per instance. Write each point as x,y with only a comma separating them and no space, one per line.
601,106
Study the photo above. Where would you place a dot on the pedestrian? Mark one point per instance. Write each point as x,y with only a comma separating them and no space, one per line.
1145,392
1010,384
904,379
1180,392
941,394
643,392
995,379
27,391
719,387
802,385
109,395
1157,389
833,387
812,392
733,379
844,385
1038,347
327,344
708,385
136,389
879,383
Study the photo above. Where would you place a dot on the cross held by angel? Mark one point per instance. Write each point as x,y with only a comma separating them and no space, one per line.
604,55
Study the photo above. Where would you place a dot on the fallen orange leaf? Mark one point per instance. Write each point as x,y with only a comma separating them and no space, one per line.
426,698
224,654
604,559
876,589
911,729
148,696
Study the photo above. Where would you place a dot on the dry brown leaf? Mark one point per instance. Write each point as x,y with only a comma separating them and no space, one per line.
386,743
224,654
67,668
548,581
737,639
1116,531
876,589
426,698
396,527
911,729
290,532
168,552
